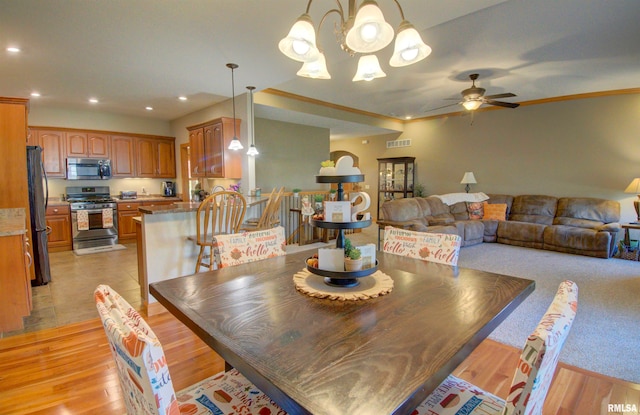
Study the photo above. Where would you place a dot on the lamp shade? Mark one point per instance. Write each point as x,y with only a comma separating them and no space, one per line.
634,187
370,32
316,69
300,43
468,178
253,151
368,69
409,47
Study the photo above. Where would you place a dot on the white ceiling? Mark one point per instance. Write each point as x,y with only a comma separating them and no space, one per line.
131,54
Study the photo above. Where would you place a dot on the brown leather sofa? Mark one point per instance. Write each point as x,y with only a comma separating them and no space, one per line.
584,226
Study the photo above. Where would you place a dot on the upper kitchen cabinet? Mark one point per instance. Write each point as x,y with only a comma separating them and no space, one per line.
210,156
122,156
155,157
87,144
54,151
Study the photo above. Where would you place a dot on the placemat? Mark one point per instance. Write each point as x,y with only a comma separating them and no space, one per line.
372,286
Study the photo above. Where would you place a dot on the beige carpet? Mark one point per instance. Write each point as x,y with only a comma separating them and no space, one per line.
605,336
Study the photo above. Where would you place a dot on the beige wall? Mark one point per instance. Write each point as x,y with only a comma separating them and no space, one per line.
290,155
587,147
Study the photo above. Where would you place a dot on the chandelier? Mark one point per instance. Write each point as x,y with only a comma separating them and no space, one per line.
362,30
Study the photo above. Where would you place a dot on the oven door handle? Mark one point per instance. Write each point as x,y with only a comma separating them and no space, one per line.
91,210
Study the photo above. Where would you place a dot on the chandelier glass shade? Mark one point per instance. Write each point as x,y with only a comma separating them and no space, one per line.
363,30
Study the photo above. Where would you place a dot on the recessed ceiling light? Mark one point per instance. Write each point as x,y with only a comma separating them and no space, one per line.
182,98
149,108
93,100
35,94
408,117
13,49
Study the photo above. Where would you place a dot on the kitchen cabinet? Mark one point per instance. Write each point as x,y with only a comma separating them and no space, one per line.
53,143
16,271
59,228
126,226
122,156
156,157
88,144
208,147
129,210
396,177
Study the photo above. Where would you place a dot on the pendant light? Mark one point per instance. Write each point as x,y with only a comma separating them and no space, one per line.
235,144
253,151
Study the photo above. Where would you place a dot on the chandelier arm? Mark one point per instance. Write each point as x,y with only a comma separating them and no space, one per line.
400,8
342,21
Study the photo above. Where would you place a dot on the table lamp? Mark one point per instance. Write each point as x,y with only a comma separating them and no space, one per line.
634,187
468,179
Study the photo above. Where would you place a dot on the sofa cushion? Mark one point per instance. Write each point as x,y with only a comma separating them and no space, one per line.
586,209
534,209
495,211
475,210
576,240
499,198
526,234
471,231
436,212
401,210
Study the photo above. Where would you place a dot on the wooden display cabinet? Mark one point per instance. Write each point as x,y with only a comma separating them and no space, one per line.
396,178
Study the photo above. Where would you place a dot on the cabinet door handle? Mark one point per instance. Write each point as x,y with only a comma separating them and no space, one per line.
49,229
28,255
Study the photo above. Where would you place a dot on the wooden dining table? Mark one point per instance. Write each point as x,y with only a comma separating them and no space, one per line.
383,355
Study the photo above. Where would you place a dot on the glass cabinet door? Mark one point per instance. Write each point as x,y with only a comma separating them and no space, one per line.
396,177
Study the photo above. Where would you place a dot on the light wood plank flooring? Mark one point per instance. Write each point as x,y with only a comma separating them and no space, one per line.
61,363
70,370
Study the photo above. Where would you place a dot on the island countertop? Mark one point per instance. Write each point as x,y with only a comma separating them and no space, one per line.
179,207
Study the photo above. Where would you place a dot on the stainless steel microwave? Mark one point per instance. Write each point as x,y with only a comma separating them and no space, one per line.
88,169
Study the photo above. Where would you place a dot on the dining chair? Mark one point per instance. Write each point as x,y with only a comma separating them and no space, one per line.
427,246
270,216
144,374
250,246
533,374
220,213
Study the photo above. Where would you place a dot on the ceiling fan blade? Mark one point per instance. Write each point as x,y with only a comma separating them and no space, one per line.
505,95
501,103
444,106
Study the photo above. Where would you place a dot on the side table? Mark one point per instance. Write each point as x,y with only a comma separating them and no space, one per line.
626,227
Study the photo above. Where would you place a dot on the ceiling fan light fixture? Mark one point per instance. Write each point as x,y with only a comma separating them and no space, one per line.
300,43
370,32
409,47
368,69
472,104
316,69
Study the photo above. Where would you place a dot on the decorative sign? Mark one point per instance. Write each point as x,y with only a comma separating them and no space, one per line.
239,248
337,211
435,247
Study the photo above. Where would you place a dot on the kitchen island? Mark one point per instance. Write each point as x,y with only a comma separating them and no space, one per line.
166,244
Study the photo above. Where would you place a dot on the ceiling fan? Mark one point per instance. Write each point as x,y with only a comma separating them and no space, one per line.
473,98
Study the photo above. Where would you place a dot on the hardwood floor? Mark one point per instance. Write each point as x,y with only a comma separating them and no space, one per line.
70,370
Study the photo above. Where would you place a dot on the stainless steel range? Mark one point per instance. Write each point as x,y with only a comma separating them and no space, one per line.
94,216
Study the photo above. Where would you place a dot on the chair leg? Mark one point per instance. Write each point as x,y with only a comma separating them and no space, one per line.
199,262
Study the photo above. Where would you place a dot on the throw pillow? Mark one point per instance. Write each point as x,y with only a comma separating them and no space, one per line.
495,211
475,209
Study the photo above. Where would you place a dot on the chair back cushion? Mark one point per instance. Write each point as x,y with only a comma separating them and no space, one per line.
427,246
541,352
240,248
140,360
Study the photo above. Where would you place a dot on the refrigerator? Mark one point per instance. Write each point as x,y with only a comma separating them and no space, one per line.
38,195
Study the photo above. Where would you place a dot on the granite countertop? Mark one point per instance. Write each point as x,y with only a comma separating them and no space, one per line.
13,221
148,198
180,207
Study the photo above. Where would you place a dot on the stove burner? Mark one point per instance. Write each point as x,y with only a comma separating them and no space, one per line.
90,199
